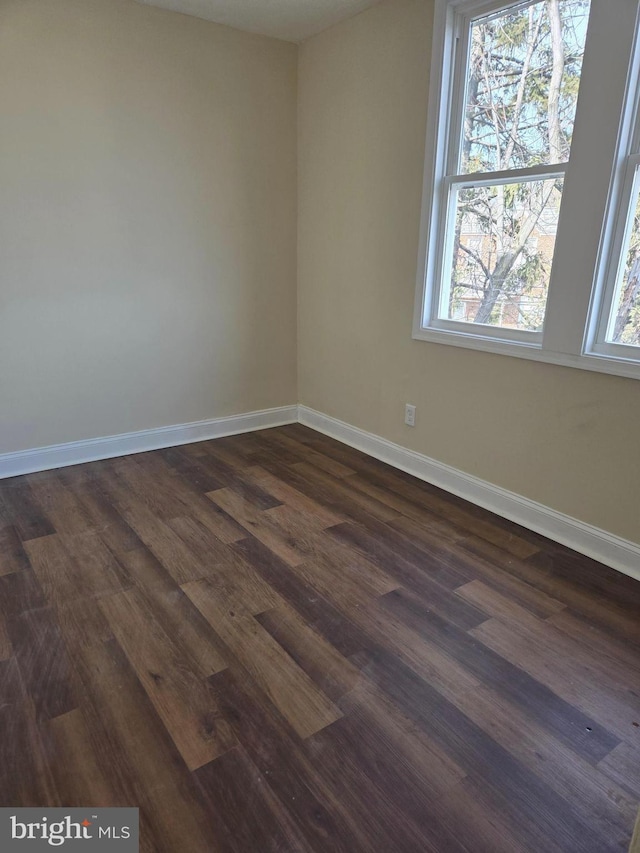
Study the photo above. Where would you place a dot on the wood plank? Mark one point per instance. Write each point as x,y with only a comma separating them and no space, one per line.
301,525
351,458
372,712
233,578
319,613
43,660
258,524
82,623
564,563
353,570
371,784
5,642
591,794
166,546
616,616
527,826
602,702
101,572
635,839
238,482
6,515
478,828
195,476
289,688
57,573
321,488
344,494
442,563
412,573
12,556
493,603
455,560
510,788
220,523
430,662
491,666
75,765
402,509
341,589
183,702
315,515
236,451
24,513
70,567
131,483
65,512
144,518
25,777
461,513
140,759
84,483
253,817
189,479
313,457
384,629
622,764
19,592
332,672
611,651
273,748
200,645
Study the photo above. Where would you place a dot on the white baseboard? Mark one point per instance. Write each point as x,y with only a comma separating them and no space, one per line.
620,554
76,452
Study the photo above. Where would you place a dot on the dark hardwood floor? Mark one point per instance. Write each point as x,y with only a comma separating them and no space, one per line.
272,642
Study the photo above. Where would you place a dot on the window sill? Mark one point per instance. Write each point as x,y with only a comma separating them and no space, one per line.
594,362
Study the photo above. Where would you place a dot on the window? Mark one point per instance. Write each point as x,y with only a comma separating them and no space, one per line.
514,200
616,329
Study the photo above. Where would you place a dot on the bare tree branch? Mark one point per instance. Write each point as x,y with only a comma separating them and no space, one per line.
476,258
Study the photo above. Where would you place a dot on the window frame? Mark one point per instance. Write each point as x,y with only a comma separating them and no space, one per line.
602,114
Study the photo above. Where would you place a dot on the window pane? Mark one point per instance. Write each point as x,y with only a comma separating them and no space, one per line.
502,253
522,85
624,327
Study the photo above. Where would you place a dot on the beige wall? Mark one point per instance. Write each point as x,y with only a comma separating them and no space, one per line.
565,437
147,220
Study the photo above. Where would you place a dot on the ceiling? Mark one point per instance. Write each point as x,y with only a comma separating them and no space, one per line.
293,20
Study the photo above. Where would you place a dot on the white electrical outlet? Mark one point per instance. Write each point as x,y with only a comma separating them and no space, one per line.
410,415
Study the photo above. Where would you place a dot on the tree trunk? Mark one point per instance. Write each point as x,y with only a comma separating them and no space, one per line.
629,298
553,105
496,286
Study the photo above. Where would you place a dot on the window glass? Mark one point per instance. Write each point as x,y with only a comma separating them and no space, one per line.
522,80
624,324
504,240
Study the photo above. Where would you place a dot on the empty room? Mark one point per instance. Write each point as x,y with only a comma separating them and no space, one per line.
320,426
